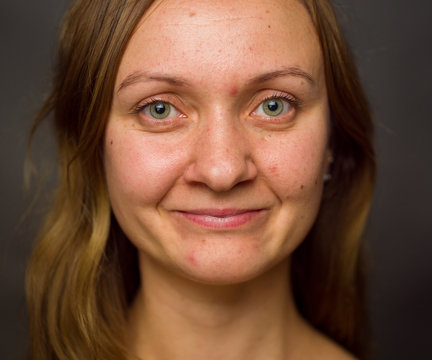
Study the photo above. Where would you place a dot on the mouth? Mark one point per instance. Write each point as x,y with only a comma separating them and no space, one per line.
221,218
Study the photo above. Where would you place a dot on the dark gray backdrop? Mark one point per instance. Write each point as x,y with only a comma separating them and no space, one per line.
392,41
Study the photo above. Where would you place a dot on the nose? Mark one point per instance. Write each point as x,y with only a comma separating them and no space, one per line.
221,156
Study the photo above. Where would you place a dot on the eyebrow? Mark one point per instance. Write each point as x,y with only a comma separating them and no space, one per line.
177,81
142,76
291,71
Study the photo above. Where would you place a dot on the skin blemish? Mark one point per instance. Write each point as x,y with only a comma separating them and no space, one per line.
274,170
267,11
302,187
192,14
191,258
111,142
269,26
233,91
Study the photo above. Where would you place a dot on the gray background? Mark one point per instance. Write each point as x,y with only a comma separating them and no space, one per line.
392,43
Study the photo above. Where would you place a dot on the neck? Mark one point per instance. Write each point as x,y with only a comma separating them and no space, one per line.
176,318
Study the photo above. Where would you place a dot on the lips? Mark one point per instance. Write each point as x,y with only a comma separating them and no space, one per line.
221,218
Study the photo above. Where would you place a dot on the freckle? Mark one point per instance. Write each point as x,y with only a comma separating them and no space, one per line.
233,91
192,14
111,142
267,11
302,187
203,241
219,51
269,26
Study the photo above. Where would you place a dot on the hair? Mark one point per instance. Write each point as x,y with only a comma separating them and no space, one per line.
83,273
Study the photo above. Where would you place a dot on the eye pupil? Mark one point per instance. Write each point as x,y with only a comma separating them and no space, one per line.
160,108
273,107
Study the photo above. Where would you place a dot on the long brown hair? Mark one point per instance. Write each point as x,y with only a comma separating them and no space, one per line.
83,273
328,267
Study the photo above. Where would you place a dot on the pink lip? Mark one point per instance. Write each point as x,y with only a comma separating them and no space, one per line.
220,218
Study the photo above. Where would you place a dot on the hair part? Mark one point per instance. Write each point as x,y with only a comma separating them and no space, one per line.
83,273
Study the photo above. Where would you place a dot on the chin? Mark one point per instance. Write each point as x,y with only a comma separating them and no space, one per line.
227,268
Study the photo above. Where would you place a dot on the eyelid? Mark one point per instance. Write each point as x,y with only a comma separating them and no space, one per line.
152,100
148,122
292,101
166,98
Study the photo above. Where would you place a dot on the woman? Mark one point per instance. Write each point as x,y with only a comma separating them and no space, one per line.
216,173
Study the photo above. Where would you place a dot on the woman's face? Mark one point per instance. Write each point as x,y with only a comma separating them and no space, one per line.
217,140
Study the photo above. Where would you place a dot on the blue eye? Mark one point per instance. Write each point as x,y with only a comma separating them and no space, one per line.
274,107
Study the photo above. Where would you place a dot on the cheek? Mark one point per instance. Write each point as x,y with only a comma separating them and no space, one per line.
137,168
293,166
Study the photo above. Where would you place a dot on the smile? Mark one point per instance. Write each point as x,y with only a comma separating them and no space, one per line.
221,218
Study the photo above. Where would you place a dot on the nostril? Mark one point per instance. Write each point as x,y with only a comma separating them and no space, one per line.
221,173
221,155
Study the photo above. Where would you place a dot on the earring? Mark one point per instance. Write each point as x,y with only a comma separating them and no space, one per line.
327,177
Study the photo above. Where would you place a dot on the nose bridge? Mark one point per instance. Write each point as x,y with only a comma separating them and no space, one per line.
222,155
221,139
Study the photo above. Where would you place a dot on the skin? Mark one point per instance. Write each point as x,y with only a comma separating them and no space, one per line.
207,283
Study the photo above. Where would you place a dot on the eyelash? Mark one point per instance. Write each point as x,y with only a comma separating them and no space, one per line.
148,102
296,103
293,101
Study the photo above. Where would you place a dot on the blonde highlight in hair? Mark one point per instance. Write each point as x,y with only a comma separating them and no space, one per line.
83,273
76,297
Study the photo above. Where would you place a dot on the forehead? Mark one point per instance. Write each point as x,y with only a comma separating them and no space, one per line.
224,35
